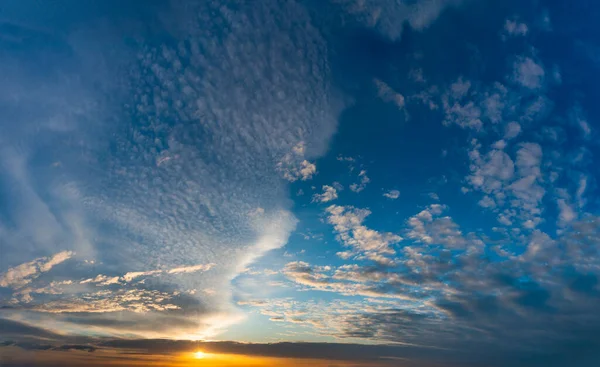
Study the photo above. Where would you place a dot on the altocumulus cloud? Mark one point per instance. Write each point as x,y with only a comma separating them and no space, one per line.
153,155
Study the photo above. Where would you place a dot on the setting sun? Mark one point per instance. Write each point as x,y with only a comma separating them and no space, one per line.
199,355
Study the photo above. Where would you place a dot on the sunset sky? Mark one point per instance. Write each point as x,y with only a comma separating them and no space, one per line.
328,183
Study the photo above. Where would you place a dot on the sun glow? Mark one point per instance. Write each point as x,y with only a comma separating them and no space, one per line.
199,355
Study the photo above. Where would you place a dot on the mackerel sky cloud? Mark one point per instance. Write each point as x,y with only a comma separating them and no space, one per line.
283,182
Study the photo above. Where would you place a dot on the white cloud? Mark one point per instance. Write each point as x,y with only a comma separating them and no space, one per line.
490,172
364,180
23,274
101,280
389,18
458,110
344,280
430,228
515,28
329,194
105,301
136,274
191,269
566,212
392,194
579,119
387,94
347,222
507,183
512,130
293,166
581,188
528,73
197,152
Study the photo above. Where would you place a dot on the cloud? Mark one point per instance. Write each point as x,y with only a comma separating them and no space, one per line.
578,118
136,274
322,354
567,214
128,277
492,171
347,283
466,295
23,274
582,186
329,194
174,157
528,73
514,186
458,110
190,269
514,28
387,94
392,194
348,223
107,301
364,180
430,228
293,166
198,151
101,280
17,329
512,130
388,18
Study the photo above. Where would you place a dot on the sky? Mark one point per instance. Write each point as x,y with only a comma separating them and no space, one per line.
325,183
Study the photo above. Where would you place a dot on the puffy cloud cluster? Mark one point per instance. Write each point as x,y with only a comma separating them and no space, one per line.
445,291
512,188
514,28
329,194
528,73
362,184
429,227
294,167
348,221
512,281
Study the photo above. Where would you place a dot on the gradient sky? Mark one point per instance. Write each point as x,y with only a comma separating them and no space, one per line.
326,183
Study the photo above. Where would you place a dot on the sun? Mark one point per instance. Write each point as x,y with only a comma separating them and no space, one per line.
199,355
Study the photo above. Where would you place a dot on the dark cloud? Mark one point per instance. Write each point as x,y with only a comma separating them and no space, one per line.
67,347
10,328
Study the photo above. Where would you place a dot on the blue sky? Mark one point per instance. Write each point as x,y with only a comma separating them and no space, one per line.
411,173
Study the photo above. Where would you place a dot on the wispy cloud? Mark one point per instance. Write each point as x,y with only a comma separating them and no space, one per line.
387,94
362,184
190,269
24,274
392,194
